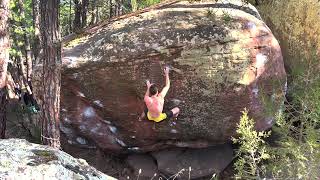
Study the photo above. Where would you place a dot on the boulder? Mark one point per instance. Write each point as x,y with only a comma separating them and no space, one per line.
194,163
223,59
20,159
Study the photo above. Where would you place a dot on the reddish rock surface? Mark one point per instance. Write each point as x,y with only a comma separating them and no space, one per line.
223,58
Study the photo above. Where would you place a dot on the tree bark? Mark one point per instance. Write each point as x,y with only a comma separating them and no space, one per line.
93,9
36,25
97,14
70,21
120,8
4,57
27,70
49,97
77,16
115,13
84,10
111,9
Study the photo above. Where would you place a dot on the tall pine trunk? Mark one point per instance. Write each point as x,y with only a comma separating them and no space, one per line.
97,14
93,14
70,15
84,10
49,97
120,9
36,25
27,70
111,9
77,16
4,57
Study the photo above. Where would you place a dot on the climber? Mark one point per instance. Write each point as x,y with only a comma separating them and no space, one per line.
156,101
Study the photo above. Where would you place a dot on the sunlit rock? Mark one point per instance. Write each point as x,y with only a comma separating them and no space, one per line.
223,59
20,159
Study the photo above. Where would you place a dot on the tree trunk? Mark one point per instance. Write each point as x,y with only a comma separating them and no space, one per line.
49,98
77,16
3,105
27,49
111,9
4,57
70,21
120,9
97,14
115,13
84,10
36,26
93,9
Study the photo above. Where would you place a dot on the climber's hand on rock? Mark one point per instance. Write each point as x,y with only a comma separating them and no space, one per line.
148,83
166,70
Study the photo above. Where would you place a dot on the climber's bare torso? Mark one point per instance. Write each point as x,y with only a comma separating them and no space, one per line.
155,104
155,101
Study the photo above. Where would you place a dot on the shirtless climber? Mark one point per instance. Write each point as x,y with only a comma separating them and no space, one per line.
156,101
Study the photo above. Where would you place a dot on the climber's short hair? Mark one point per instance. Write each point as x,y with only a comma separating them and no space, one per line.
153,89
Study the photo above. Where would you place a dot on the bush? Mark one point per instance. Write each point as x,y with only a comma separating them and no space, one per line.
252,149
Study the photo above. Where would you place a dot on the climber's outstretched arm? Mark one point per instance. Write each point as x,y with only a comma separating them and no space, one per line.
167,86
148,87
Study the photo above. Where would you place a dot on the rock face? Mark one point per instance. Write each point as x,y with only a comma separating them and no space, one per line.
20,159
223,59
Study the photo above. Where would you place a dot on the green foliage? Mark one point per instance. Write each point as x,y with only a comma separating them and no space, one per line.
21,26
226,17
134,5
66,17
295,149
297,30
145,3
98,10
249,1
211,14
252,149
297,154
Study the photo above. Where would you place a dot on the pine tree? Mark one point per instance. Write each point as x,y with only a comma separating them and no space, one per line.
49,90
4,57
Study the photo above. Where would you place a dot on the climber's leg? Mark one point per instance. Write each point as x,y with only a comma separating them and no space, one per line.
173,112
173,103
143,114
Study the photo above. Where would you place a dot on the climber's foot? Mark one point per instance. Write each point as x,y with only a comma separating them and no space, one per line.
141,116
176,101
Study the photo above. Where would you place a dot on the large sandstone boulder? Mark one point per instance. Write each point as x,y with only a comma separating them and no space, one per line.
20,159
223,59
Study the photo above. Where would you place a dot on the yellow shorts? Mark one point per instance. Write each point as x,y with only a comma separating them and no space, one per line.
161,117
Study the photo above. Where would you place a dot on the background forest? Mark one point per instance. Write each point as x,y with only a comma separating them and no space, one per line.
290,150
